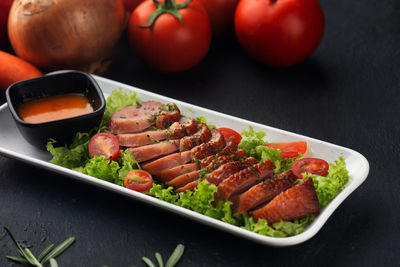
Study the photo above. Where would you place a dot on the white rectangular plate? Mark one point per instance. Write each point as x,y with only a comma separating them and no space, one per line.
13,145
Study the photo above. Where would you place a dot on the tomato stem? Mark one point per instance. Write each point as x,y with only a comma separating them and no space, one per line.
170,7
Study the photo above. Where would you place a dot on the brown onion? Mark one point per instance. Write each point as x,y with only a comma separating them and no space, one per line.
65,34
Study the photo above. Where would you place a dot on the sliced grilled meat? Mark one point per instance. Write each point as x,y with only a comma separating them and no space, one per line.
149,152
215,145
165,163
243,180
203,135
184,179
170,174
294,203
226,170
263,192
134,119
141,139
167,115
190,186
220,158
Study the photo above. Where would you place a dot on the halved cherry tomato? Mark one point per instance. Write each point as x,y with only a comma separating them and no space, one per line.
104,144
311,165
138,180
290,149
229,133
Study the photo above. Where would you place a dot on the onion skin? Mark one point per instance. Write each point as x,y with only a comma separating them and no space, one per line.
65,34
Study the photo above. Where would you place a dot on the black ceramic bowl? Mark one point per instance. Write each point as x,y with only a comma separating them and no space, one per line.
59,83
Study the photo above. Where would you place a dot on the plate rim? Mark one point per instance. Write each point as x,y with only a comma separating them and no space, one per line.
309,232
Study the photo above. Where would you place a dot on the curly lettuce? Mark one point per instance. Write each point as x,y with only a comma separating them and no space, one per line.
254,145
329,187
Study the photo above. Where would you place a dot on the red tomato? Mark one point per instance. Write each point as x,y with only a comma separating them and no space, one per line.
5,6
138,180
221,13
130,5
290,149
169,45
310,165
229,133
104,144
279,32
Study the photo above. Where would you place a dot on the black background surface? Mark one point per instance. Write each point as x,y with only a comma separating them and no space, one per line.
347,93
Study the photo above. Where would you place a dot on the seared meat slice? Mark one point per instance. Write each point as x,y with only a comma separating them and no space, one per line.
215,145
141,139
220,158
203,135
185,126
263,192
134,119
165,163
230,147
294,203
243,180
170,174
190,186
149,152
184,179
167,115
226,170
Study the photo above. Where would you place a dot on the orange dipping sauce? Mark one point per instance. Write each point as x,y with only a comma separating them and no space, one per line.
54,108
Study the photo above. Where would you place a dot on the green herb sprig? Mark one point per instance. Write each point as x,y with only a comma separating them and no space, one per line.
172,261
48,255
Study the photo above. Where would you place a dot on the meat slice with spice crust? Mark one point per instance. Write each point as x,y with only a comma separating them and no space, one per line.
167,115
184,179
243,180
294,203
142,139
203,135
212,147
225,170
263,192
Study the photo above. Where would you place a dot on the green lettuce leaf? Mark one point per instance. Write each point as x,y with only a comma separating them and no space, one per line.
127,162
101,168
72,156
254,145
329,187
204,120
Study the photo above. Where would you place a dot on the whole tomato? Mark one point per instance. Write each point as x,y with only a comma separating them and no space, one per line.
130,5
5,6
172,42
221,13
279,32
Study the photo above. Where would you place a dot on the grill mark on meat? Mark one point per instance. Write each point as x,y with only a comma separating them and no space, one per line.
222,158
228,169
133,119
215,145
170,174
241,181
203,135
167,162
262,193
149,152
294,203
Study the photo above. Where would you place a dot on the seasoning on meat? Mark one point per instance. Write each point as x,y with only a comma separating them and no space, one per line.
203,135
294,203
149,152
170,174
215,145
165,163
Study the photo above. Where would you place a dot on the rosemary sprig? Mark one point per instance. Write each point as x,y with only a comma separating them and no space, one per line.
171,262
47,255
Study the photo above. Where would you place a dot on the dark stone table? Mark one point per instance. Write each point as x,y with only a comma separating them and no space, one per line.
347,93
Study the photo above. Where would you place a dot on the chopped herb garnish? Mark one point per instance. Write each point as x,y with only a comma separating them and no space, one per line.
203,172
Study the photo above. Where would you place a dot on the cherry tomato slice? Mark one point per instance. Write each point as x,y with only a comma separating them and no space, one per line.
104,144
290,149
310,165
229,133
138,180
